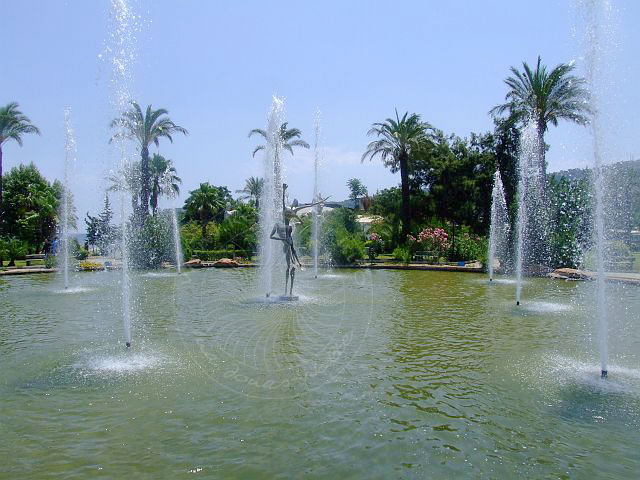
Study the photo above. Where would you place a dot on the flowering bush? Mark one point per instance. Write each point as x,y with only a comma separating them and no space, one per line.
374,245
431,239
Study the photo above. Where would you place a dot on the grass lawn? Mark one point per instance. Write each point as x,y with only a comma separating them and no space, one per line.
23,263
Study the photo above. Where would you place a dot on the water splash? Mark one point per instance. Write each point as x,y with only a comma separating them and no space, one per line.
176,239
599,42
122,50
315,227
499,229
69,161
271,198
531,233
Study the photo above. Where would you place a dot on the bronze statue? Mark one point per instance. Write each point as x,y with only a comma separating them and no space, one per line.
283,233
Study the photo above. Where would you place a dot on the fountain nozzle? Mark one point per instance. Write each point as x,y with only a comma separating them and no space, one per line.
603,373
491,279
128,344
517,302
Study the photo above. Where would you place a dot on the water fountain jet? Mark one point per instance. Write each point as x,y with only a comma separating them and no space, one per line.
69,160
499,228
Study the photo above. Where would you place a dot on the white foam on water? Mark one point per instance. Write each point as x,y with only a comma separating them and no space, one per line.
619,378
123,363
544,307
159,274
74,290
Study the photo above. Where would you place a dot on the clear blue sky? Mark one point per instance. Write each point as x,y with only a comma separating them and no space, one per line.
215,66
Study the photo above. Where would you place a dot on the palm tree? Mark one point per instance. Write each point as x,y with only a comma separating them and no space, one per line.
146,128
164,180
203,203
398,140
13,124
252,189
545,97
289,138
127,180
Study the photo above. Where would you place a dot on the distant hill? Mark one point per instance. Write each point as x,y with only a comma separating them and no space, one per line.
580,173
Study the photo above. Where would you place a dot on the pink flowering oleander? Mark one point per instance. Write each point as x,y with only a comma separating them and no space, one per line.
435,238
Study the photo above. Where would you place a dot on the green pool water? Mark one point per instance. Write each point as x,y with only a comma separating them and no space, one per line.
371,374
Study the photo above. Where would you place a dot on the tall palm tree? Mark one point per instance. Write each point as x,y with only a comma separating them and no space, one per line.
545,97
252,189
13,124
289,138
398,140
203,203
164,180
128,180
146,128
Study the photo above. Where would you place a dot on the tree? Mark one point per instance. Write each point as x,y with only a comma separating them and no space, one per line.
398,139
545,97
288,138
127,180
146,128
204,203
252,190
92,230
13,249
30,209
106,233
164,180
13,125
356,187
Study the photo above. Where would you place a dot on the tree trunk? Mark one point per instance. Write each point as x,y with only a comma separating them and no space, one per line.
204,226
542,165
406,209
145,187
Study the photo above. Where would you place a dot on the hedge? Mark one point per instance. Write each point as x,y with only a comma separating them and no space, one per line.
213,255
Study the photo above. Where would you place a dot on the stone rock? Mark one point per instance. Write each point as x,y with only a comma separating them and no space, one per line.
225,263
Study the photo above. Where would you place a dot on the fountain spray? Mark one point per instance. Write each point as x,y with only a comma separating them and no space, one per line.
598,41
69,160
271,197
499,228
122,50
529,204
316,213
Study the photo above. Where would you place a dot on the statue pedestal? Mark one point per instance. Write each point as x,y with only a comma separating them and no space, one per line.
288,298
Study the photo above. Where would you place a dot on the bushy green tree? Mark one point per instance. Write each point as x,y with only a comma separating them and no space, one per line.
13,126
30,209
205,204
356,188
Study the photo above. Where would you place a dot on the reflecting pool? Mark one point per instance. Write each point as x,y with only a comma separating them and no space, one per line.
375,374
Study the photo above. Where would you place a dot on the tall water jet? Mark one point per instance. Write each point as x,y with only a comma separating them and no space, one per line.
529,233
69,160
499,228
176,238
316,196
122,52
271,197
598,43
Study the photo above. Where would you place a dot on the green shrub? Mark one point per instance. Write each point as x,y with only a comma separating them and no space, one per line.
402,254
152,244
50,261
13,249
350,248
213,255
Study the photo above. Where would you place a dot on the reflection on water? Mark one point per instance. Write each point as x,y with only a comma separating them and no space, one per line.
392,373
